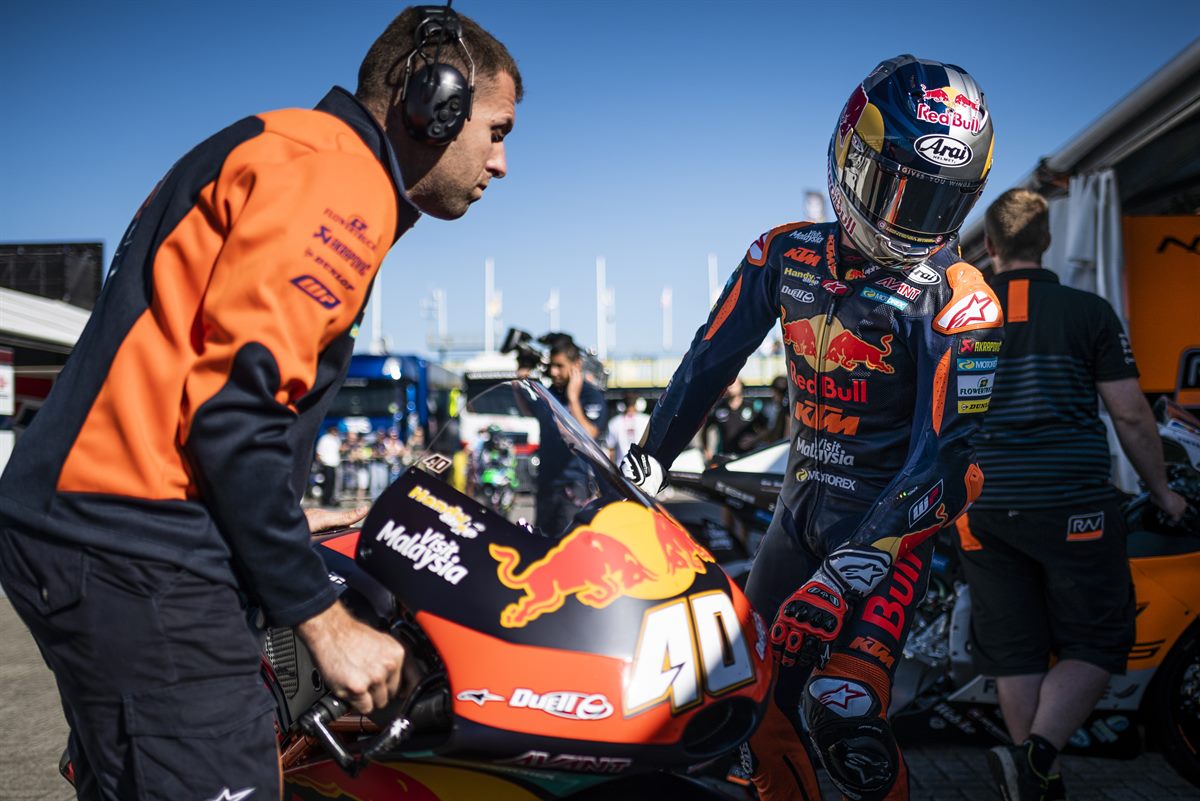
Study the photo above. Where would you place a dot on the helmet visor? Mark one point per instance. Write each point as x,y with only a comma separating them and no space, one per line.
903,202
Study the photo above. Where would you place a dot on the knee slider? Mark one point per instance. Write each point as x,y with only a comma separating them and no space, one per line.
854,743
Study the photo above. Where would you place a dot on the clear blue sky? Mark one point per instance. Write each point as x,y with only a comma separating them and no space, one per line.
652,133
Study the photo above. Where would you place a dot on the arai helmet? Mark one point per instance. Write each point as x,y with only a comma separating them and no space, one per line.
909,158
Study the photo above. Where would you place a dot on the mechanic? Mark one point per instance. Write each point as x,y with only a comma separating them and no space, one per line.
1044,546
874,307
162,477
735,424
564,482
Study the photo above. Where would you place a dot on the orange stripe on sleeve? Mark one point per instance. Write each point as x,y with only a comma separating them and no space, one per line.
726,310
966,539
1017,310
940,377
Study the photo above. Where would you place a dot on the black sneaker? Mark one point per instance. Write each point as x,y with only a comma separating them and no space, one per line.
1055,789
1015,775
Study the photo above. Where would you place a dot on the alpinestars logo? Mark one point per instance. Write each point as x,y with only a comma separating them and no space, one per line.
228,795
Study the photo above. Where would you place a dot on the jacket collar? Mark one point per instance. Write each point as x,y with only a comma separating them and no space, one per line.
1027,273
345,106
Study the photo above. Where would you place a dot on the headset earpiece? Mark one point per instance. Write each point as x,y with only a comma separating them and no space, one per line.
437,103
435,98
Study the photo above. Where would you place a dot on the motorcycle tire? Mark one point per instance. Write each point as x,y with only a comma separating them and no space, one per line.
1172,712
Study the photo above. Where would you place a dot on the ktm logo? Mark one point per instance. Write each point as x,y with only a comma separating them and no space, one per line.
873,647
316,290
804,256
828,419
1170,240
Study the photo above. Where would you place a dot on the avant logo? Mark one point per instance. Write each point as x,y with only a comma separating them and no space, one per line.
1170,240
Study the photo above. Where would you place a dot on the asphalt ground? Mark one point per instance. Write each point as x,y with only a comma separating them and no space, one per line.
34,734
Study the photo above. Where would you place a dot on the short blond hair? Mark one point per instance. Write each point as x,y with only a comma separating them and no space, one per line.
1018,225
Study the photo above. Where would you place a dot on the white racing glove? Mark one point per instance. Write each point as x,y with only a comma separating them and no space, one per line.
644,471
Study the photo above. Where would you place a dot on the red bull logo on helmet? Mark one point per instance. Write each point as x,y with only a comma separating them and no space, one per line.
844,350
957,109
626,550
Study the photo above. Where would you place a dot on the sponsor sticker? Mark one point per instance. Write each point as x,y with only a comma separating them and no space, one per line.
563,704
313,287
855,393
977,309
926,502
945,151
847,699
479,697
804,256
342,250
969,345
805,276
579,763
986,363
923,274
460,523
430,550
828,452
883,297
834,287
899,287
830,479
802,295
810,235
826,418
1089,526
973,406
976,386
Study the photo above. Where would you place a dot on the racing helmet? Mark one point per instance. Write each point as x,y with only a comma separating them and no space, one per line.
909,158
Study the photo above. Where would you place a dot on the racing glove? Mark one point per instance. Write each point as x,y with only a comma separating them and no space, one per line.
644,471
811,618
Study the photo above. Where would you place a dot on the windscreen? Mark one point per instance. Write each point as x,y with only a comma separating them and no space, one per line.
551,489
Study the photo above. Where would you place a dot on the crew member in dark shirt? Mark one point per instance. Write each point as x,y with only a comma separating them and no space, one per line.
1044,545
564,482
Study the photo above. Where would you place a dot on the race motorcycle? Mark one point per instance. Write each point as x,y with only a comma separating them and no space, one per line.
496,483
613,662
938,694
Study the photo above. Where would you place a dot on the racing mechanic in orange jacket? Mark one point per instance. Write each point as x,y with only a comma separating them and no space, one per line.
165,470
890,342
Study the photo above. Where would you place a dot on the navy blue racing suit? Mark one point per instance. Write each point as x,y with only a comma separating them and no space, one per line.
888,372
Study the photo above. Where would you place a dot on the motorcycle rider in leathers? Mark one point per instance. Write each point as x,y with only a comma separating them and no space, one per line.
891,341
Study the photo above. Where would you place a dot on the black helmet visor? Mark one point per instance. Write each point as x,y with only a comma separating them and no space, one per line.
903,202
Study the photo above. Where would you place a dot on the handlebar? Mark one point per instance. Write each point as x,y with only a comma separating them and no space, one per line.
315,723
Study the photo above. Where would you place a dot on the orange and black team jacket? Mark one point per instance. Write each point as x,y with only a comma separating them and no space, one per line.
889,372
181,427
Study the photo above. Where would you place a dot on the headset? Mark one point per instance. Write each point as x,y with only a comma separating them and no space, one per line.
435,99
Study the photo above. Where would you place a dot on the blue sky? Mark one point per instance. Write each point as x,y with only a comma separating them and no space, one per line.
652,133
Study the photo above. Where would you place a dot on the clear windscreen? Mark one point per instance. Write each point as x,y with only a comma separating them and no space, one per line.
549,486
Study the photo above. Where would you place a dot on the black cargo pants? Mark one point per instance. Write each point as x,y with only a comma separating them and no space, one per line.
157,670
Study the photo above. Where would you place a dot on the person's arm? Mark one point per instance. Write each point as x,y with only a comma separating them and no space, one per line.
737,324
580,406
939,478
1138,434
270,309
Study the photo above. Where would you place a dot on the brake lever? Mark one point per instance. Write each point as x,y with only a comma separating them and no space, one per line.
315,722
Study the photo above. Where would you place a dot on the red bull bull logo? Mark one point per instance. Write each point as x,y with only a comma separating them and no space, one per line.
627,550
958,109
845,351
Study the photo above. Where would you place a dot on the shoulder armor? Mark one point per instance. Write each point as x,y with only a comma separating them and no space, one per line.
972,305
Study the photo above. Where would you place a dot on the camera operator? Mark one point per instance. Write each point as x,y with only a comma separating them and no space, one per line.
563,479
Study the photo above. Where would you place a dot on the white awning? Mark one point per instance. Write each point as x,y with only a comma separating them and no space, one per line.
33,321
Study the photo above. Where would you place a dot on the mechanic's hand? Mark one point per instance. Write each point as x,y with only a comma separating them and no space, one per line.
362,666
811,619
1173,504
574,382
325,519
644,471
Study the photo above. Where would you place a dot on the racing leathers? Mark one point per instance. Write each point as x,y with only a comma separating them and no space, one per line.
888,371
